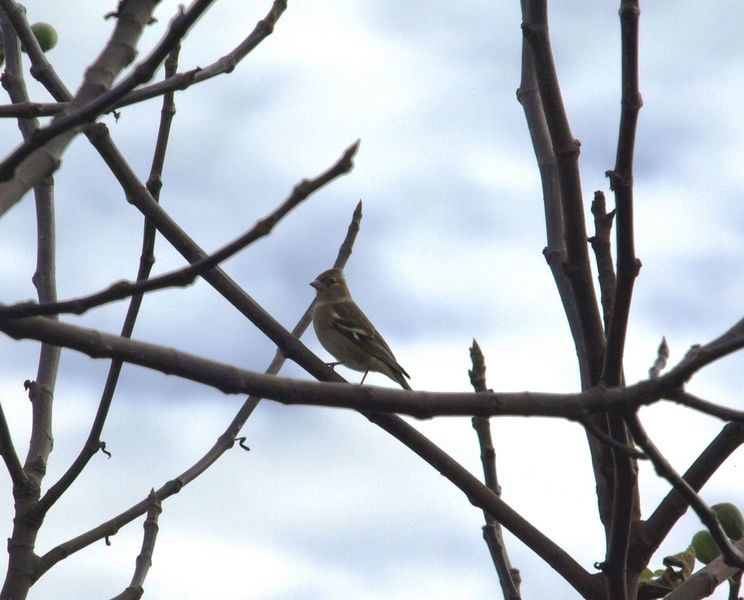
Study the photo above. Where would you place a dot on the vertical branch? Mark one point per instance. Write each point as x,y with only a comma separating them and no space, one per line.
625,514
41,391
625,503
509,577
567,251
601,246
147,260
528,95
12,81
621,182
144,559
10,456
21,559
566,151
555,251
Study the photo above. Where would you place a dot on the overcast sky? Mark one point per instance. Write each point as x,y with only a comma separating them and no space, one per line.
326,505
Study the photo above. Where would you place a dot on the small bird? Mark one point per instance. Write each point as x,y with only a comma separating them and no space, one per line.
344,330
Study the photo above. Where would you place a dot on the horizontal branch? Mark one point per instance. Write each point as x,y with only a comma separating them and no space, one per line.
422,405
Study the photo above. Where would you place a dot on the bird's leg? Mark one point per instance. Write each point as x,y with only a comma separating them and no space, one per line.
363,377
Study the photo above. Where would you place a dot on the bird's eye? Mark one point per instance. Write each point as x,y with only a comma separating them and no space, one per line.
331,281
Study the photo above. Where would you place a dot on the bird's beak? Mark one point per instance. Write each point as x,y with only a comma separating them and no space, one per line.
316,284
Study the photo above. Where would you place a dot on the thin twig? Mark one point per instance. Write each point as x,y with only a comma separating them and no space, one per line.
9,454
13,81
662,356
224,442
43,161
612,442
621,182
88,108
509,577
602,248
144,560
698,356
175,82
656,528
187,275
147,259
665,470
566,150
709,408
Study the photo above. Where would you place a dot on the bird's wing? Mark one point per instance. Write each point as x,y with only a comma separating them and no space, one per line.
350,321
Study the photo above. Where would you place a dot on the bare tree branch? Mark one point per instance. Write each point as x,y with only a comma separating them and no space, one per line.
654,529
187,275
93,443
612,442
10,457
509,577
90,102
566,150
144,559
601,246
528,95
13,81
176,82
662,355
709,408
27,486
625,504
223,443
707,516
42,162
419,404
621,182
30,110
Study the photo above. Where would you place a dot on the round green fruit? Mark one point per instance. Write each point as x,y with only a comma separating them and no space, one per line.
705,546
731,519
45,34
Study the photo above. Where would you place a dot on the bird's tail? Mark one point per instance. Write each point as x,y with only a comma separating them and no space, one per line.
400,378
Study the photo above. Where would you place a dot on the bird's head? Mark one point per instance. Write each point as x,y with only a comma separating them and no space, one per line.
330,285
